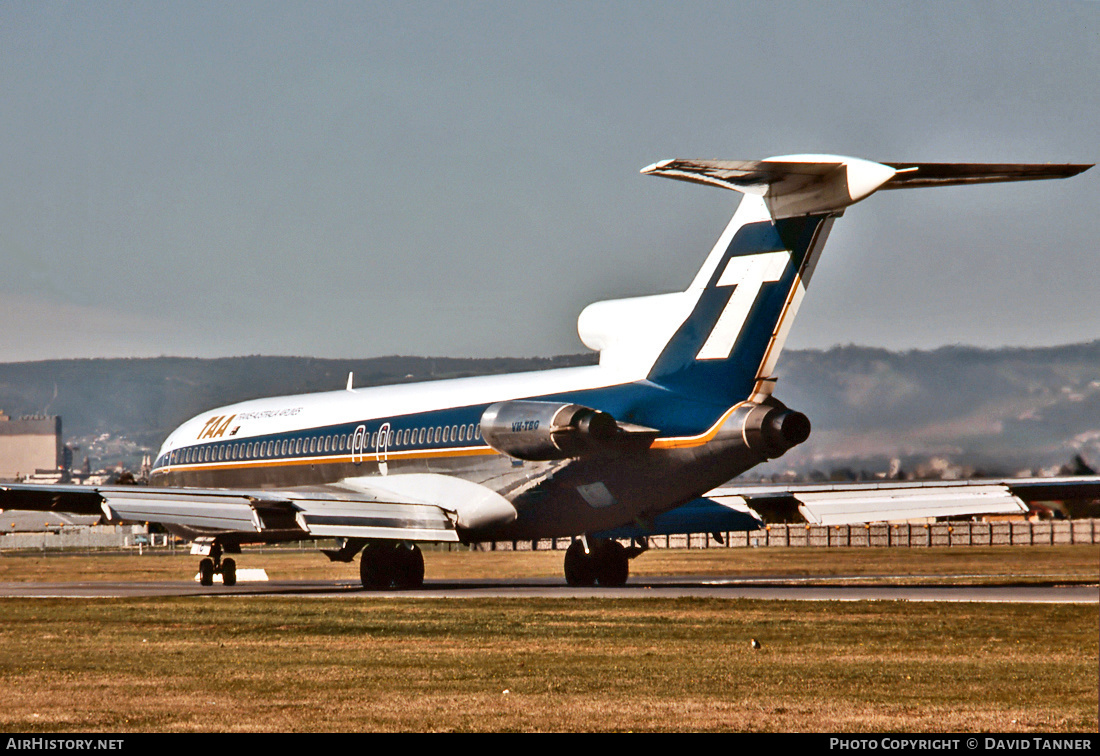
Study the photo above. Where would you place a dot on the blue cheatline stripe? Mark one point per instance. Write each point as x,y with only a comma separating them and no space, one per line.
726,381
309,442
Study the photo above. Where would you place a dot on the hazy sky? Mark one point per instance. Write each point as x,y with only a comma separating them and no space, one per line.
460,179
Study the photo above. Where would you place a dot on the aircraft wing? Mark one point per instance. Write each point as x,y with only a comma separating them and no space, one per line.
422,507
882,501
851,504
750,506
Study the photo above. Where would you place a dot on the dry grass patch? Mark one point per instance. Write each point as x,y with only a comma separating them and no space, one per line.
260,664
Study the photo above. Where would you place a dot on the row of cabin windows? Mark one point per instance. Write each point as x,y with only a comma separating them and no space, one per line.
321,444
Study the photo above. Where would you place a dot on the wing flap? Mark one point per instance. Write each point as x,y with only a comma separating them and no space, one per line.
50,498
322,511
850,507
359,519
849,504
476,509
422,507
205,511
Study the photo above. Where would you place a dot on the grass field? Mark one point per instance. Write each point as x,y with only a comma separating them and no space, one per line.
396,663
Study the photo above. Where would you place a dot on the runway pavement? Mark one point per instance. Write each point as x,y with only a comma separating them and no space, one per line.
879,588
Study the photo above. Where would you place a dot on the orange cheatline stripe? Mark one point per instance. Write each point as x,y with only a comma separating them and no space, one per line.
702,438
779,323
289,462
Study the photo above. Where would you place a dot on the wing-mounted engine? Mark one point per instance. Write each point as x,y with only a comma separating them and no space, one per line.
539,431
771,429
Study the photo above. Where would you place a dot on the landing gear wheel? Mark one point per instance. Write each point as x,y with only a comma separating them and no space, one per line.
206,572
607,564
391,565
612,565
375,566
229,572
410,568
579,567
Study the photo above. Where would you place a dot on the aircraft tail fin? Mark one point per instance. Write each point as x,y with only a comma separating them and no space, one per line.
720,339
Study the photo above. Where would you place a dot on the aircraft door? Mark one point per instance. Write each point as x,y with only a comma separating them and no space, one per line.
382,447
359,445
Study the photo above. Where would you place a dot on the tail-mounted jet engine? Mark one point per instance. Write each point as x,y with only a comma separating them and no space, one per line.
771,429
537,431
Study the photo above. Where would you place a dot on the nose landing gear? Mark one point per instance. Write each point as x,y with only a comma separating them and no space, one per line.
215,565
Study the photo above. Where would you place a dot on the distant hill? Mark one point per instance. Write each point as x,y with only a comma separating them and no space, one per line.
997,409
1000,409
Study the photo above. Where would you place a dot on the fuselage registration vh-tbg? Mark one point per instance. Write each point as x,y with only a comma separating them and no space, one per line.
680,402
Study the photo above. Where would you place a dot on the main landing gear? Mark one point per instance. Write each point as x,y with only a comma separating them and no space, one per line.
603,562
391,565
215,565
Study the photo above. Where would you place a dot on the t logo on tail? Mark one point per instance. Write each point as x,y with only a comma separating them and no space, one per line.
747,275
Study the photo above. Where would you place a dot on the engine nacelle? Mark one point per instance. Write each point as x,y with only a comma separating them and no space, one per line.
771,429
539,431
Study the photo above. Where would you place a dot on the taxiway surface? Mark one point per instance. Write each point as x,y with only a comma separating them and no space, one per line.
879,588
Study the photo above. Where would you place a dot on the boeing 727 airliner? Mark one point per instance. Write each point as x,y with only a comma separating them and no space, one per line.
682,400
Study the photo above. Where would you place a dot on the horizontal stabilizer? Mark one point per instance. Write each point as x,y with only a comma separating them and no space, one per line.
916,175
795,185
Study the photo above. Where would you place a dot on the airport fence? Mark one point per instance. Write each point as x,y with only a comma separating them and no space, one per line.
905,535
88,539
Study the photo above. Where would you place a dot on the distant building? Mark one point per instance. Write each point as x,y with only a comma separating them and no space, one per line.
30,445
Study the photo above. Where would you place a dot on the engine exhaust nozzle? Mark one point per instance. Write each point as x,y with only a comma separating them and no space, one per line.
771,429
